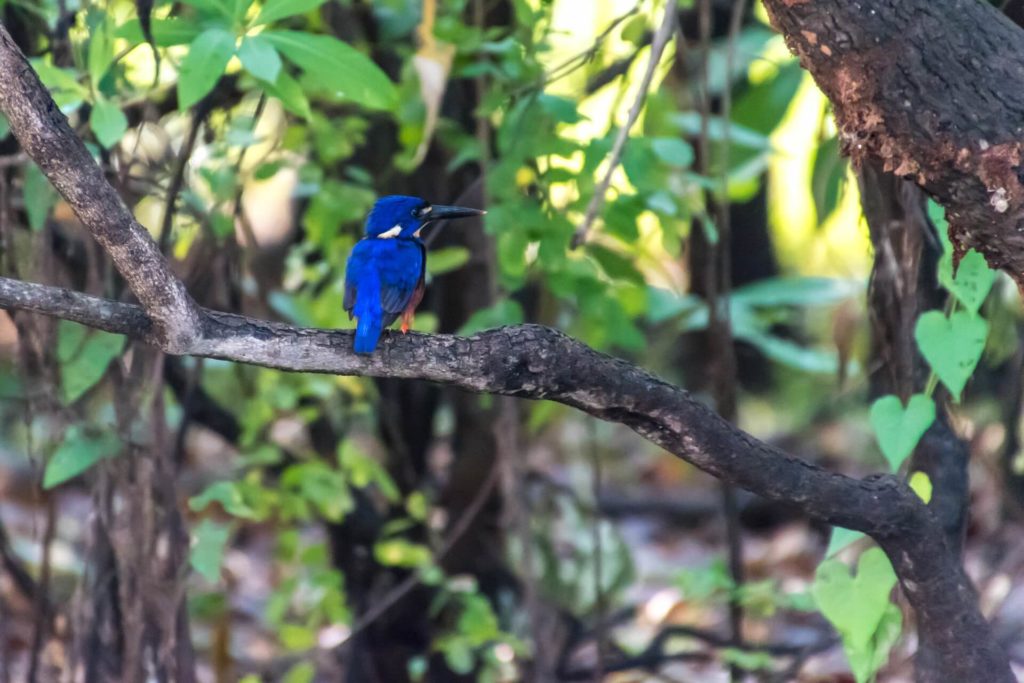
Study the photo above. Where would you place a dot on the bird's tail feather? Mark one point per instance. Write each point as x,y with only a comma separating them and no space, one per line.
369,313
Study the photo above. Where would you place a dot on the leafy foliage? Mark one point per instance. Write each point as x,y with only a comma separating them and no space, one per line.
860,610
319,108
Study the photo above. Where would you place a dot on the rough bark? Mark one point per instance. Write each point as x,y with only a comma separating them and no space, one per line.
525,361
530,361
934,89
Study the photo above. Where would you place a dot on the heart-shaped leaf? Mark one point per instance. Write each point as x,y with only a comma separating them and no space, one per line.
842,538
972,282
898,429
855,604
952,346
865,663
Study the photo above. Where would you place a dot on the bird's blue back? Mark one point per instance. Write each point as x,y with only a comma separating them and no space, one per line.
385,268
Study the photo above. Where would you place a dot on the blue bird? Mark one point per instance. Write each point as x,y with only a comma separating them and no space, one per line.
384,274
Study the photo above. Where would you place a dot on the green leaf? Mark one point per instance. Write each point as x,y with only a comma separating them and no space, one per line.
614,264
303,672
275,10
898,429
84,355
416,506
417,667
973,279
398,552
841,538
108,122
166,32
921,484
673,151
78,452
363,470
260,58
827,177
337,66
288,90
458,655
886,635
101,52
447,259
207,57
40,196
477,620
62,83
322,486
230,497
797,291
855,605
866,659
223,8
690,123
562,109
296,637
663,305
952,346
207,553
239,8
790,353
748,660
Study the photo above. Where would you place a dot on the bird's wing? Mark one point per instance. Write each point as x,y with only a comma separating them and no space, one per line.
397,294
353,271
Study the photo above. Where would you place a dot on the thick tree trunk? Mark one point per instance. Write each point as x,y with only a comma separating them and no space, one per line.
934,89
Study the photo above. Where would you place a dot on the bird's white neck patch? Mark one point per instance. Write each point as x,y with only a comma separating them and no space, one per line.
389,234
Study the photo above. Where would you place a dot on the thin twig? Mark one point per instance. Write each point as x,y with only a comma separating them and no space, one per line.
43,612
239,213
178,178
718,285
570,65
657,652
601,607
661,39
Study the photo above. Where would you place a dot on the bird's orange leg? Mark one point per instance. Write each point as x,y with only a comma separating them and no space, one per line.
410,308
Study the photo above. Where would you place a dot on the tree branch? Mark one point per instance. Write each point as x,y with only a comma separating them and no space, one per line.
530,361
44,133
935,90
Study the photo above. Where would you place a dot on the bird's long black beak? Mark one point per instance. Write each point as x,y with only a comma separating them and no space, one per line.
439,212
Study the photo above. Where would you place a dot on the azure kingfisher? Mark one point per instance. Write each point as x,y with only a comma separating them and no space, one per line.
384,275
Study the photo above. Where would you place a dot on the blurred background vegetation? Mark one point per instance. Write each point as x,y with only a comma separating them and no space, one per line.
350,529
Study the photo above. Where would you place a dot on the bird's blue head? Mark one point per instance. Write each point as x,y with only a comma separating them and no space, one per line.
403,217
